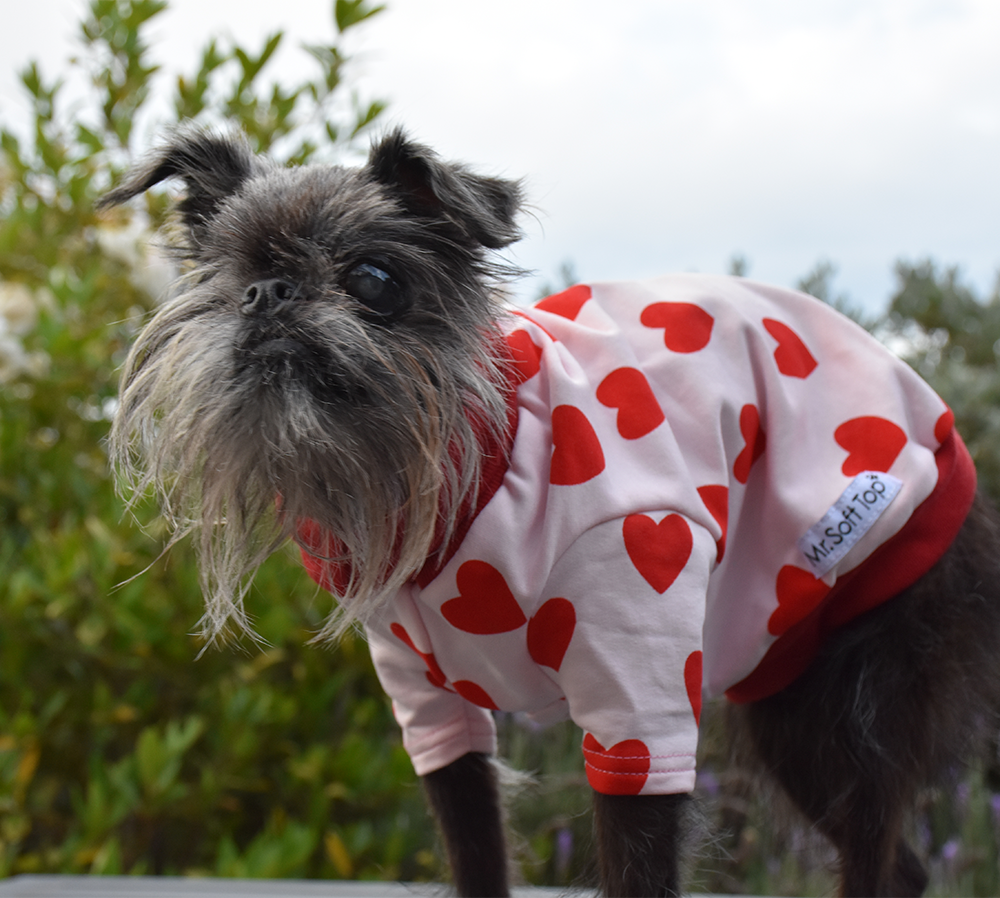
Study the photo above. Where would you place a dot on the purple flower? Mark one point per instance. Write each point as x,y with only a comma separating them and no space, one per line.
708,782
924,834
962,791
564,851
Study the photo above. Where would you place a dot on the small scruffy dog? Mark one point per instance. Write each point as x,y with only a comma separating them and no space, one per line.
602,507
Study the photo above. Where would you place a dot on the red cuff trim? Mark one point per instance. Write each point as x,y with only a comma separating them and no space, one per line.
621,769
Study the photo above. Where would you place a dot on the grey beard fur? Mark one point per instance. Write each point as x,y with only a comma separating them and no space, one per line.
379,438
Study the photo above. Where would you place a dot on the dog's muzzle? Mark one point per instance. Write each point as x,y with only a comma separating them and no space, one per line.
278,348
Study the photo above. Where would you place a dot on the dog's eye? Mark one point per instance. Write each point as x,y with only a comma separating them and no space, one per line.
376,290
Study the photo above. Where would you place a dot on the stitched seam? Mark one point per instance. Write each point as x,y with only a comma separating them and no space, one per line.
640,773
604,754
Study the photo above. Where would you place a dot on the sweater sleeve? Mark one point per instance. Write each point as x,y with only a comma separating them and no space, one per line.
439,725
632,671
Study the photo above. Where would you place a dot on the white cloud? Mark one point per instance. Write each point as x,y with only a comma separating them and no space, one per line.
660,134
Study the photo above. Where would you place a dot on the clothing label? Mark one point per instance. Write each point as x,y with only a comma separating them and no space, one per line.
849,518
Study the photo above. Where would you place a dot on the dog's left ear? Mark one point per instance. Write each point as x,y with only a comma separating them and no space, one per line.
484,209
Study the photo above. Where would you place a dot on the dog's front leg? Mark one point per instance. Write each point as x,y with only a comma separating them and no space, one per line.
465,799
637,843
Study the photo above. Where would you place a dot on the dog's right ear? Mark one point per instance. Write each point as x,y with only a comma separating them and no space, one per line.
211,166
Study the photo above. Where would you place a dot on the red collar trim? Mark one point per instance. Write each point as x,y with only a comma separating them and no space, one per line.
495,462
319,547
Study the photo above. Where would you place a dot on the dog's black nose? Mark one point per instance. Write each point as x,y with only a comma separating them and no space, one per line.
263,297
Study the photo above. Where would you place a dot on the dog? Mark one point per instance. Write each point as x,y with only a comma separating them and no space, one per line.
602,507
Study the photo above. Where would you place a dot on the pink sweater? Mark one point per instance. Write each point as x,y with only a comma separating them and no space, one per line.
700,466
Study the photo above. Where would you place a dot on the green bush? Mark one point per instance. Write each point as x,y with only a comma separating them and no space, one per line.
124,750
121,750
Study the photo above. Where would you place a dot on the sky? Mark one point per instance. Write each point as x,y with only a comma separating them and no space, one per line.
665,135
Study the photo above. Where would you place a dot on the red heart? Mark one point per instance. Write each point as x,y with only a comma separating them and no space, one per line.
526,357
716,499
799,593
434,673
658,551
688,327
873,444
550,632
627,390
568,303
944,425
692,682
791,355
485,604
471,692
620,770
755,441
576,451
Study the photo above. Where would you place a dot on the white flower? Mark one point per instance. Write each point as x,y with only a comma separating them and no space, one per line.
13,358
18,316
18,309
134,246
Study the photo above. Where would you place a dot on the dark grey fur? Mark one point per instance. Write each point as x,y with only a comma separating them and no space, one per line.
332,344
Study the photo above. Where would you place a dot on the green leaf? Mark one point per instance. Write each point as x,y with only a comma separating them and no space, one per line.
374,110
348,13
89,139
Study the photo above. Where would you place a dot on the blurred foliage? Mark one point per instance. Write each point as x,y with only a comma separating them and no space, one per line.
124,751
818,282
952,337
120,749
565,278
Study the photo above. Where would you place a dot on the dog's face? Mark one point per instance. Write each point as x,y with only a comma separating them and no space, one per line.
331,352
